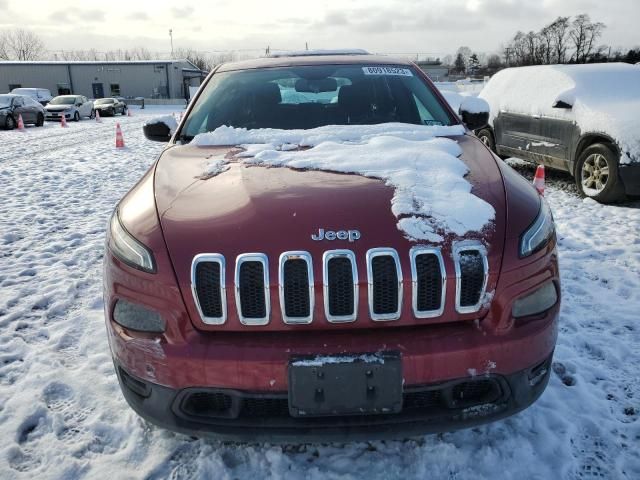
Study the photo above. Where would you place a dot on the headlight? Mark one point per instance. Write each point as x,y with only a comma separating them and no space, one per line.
539,301
539,233
127,248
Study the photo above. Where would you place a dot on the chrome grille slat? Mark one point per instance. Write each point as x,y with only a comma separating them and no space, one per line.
333,287
217,301
340,284
472,273
384,278
252,295
298,310
424,276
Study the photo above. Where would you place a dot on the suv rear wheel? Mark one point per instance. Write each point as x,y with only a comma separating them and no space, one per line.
597,174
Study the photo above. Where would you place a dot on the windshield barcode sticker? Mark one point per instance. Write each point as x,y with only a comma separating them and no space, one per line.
395,71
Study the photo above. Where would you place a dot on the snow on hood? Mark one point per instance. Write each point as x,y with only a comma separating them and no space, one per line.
431,196
605,98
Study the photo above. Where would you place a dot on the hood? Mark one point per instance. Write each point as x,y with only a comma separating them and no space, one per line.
58,108
248,209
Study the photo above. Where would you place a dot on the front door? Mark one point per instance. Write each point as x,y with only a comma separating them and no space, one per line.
98,90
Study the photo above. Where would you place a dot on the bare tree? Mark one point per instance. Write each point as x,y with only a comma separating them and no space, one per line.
494,62
559,30
466,54
546,41
20,44
4,46
584,35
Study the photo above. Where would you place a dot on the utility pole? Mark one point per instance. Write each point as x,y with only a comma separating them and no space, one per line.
171,37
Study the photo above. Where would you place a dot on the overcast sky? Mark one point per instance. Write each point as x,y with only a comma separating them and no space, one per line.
434,27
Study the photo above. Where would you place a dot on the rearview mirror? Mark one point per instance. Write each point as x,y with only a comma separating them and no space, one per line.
316,85
160,129
474,112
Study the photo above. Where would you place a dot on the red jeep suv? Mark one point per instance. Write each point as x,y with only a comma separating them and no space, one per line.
308,300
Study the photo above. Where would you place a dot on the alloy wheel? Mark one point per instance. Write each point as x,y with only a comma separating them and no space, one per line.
594,174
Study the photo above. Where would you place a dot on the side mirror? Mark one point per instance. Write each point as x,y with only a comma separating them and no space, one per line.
160,129
474,112
562,104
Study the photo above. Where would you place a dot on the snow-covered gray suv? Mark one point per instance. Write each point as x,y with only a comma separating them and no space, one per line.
579,118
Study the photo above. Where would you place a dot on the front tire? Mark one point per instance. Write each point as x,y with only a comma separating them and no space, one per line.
92,115
9,123
40,120
597,174
76,116
486,136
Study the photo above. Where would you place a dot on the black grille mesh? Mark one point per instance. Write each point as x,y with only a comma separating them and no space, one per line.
252,298
296,288
340,286
234,405
385,285
265,407
422,399
208,288
429,277
472,278
207,404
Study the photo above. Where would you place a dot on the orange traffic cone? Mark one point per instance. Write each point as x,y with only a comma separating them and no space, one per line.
20,122
119,138
538,180
63,121
98,119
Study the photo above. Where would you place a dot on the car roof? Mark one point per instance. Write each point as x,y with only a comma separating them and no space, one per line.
306,60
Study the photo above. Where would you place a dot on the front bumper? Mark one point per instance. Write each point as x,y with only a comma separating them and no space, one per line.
630,175
255,417
57,115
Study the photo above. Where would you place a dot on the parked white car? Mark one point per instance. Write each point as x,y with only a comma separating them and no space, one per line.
73,107
40,95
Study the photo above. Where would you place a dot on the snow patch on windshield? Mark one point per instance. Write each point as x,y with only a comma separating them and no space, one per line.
431,196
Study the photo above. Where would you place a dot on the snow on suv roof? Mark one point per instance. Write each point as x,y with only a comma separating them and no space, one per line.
605,98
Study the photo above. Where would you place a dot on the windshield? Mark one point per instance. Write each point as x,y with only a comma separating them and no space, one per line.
103,101
63,101
313,96
5,101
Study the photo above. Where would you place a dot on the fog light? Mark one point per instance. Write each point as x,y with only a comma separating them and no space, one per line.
539,301
137,317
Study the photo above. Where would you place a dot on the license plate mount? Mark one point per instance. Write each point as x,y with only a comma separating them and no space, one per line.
363,384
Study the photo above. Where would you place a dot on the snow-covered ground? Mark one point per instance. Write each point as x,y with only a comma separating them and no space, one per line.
62,415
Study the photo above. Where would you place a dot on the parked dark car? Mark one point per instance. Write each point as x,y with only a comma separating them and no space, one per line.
40,95
11,106
110,106
583,119
284,304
